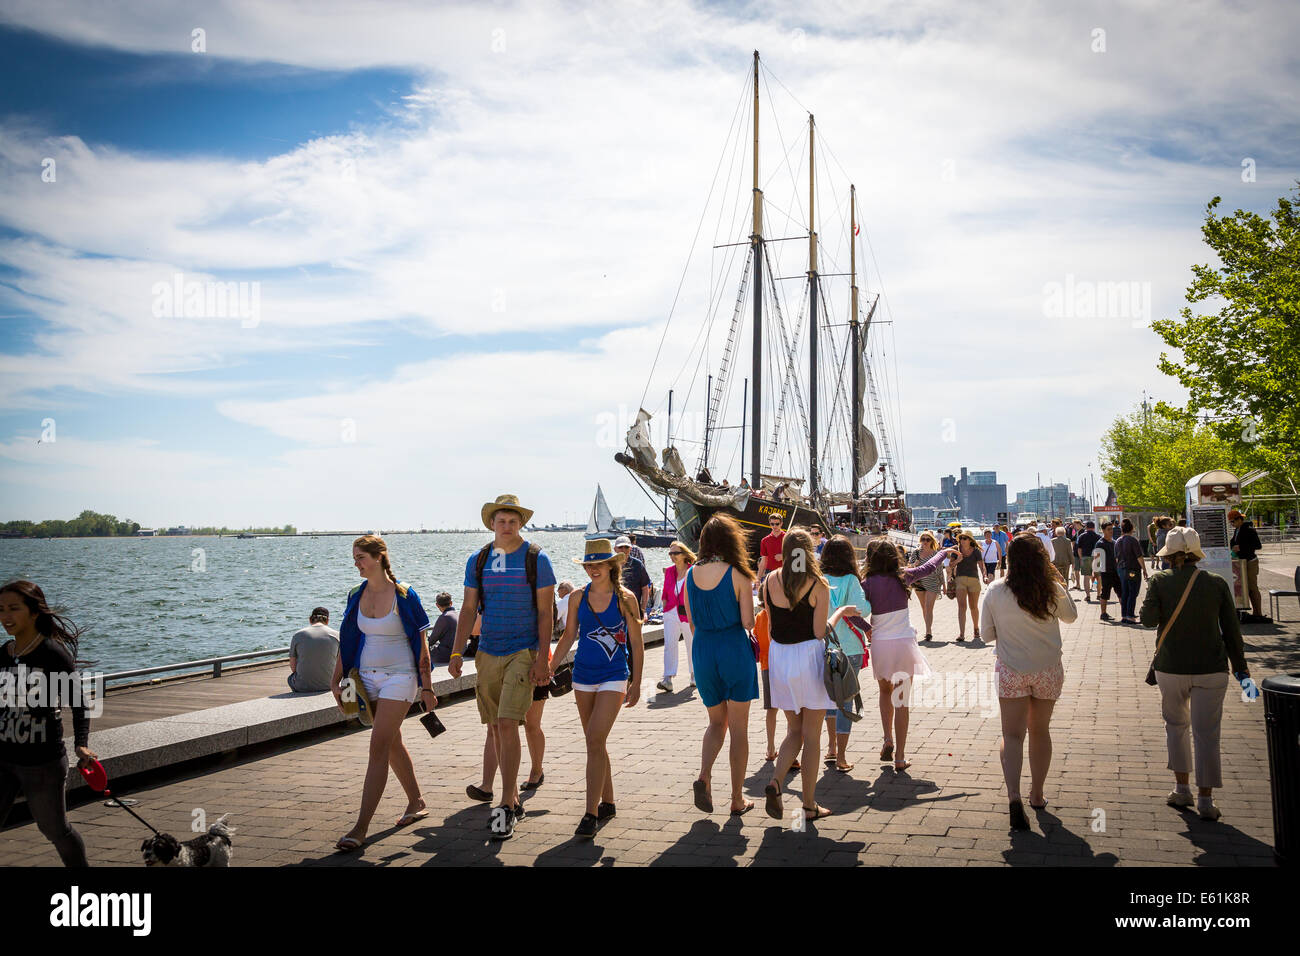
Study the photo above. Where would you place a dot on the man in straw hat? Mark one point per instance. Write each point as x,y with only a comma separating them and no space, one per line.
512,582
1199,640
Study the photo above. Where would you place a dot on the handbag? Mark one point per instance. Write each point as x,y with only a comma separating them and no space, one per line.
562,680
841,679
1151,671
950,589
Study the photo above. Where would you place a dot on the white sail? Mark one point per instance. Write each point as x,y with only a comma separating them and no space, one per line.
601,521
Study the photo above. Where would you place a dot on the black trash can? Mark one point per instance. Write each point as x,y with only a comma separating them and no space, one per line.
1282,726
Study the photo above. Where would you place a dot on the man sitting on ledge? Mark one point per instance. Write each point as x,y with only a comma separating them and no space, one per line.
312,653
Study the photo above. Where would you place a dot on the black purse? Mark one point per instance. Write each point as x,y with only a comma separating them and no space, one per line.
562,682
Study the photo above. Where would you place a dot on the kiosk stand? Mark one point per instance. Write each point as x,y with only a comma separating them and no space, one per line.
1209,498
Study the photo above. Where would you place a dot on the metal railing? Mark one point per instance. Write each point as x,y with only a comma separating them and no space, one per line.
213,662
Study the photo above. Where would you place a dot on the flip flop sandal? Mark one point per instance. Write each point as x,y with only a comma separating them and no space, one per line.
702,799
741,812
905,765
1018,819
348,844
795,768
887,752
773,803
406,819
844,769
816,813
533,784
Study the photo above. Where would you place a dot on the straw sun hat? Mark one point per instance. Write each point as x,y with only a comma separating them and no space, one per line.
600,549
505,503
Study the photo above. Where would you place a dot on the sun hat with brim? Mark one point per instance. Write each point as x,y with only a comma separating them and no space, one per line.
1182,541
599,549
623,542
505,503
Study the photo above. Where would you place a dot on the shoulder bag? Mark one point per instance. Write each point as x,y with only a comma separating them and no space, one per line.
1151,671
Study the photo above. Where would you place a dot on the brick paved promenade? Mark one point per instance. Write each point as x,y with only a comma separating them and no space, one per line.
948,809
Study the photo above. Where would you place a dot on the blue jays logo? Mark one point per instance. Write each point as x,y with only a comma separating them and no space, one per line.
609,641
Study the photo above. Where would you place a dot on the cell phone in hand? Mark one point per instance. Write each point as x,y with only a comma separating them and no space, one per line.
858,621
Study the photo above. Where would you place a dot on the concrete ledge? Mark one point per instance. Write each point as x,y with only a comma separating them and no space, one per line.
153,744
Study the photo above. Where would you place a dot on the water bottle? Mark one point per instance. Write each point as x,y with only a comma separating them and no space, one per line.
1249,690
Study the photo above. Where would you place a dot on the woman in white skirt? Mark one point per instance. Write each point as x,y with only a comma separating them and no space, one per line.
798,599
676,626
895,658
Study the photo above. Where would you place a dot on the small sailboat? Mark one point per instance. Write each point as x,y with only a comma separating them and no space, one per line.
601,524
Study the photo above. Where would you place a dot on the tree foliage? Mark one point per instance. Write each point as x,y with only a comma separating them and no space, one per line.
1241,365
1148,458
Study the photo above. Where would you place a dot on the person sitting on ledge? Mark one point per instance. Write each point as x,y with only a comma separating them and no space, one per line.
312,653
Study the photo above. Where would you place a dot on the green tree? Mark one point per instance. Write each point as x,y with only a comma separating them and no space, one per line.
1148,458
1241,365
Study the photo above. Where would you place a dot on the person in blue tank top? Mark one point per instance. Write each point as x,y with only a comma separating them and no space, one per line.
604,624
720,607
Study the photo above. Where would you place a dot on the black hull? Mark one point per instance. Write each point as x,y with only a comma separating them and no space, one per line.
754,521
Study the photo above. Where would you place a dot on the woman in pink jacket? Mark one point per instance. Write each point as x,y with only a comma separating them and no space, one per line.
675,624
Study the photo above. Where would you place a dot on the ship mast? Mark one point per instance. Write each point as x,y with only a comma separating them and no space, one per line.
756,250
854,345
812,316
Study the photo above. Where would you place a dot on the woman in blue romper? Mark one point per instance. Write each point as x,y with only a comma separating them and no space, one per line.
605,621
720,606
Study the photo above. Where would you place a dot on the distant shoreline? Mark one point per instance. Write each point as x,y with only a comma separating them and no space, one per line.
263,534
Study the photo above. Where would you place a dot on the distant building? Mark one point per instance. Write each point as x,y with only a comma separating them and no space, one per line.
976,495
146,533
1051,501
179,529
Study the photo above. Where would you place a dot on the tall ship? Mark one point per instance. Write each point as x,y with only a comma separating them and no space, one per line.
791,438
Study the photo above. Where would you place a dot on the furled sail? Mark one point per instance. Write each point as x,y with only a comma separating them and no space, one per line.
867,453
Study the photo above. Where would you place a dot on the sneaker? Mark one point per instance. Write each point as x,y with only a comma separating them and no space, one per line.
1176,799
587,827
1208,811
665,685
1106,617
503,821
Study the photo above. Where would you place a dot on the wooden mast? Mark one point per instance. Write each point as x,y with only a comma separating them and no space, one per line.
812,315
855,347
756,250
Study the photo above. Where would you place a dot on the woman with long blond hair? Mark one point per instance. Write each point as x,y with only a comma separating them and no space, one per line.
676,626
720,608
382,638
929,587
895,658
798,600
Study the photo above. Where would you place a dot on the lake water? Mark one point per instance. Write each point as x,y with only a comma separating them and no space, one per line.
153,601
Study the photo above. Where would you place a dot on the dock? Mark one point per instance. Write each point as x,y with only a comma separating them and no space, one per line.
294,795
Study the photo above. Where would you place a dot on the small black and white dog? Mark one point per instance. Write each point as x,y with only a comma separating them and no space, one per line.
211,849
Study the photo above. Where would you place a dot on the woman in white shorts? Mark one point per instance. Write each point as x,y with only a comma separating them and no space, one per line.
798,599
1022,616
382,638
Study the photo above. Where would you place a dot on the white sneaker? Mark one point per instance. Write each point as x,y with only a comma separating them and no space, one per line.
666,685
1176,799
1208,811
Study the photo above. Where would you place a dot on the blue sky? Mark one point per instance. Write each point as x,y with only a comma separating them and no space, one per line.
467,224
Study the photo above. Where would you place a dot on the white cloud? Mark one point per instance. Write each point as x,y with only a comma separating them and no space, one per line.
554,182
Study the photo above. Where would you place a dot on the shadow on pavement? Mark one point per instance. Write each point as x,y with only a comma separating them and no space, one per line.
707,844
1055,841
786,847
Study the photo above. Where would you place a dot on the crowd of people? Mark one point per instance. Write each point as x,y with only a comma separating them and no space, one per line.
750,633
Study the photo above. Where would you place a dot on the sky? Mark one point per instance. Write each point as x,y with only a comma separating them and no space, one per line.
472,239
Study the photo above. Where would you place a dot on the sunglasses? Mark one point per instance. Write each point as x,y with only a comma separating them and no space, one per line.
675,553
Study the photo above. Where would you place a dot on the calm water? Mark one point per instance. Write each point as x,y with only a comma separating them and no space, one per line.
151,601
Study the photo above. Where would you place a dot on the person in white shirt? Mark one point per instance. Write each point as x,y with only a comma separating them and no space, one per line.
562,591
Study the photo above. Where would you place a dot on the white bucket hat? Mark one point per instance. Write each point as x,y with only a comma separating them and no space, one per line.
1182,540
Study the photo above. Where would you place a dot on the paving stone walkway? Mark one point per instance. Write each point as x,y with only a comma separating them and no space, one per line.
1105,791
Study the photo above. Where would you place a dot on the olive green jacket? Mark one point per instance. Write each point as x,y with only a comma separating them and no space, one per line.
1207,633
